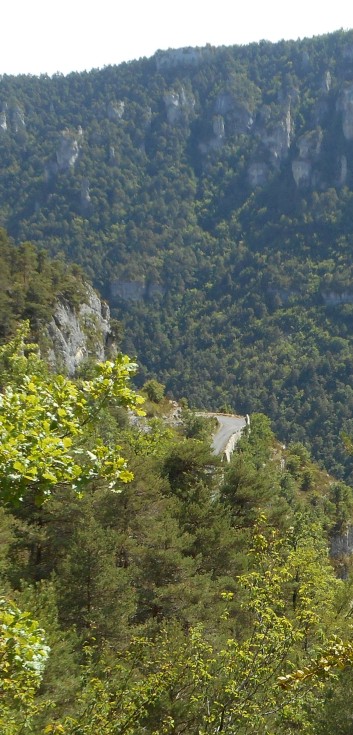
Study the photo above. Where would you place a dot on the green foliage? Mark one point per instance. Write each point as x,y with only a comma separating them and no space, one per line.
240,297
31,283
197,427
240,291
185,682
188,463
252,480
23,655
154,390
43,426
171,606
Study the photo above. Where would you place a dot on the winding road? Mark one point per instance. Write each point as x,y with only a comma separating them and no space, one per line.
229,432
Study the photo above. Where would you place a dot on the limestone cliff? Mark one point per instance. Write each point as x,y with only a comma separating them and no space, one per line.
178,105
183,57
68,149
342,543
73,335
345,106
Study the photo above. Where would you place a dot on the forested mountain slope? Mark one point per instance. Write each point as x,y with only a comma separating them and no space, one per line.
208,193
172,595
67,318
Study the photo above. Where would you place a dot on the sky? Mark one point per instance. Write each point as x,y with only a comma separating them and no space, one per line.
48,36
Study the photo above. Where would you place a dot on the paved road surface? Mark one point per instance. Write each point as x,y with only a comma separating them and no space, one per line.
228,425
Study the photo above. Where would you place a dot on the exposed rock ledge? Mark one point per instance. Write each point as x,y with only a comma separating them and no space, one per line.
77,334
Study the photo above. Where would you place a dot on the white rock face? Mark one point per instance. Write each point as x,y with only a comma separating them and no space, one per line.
301,173
345,104
85,195
3,120
68,150
239,117
218,126
309,146
17,119
327,81
75,336
277,137
177,104
216,142
172,106
277,142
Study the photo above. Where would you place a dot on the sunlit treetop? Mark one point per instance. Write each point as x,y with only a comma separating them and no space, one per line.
44,422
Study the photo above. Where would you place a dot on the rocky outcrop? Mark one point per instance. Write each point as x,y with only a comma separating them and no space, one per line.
85,195
231,116
321,106
12,117
3,120
178,105
277,140
218,127
17,118
218,137
172,106
275,135
301,171
345,106
342,543
68,150
239,117
309,148
181,57
75,335
326,82
112,155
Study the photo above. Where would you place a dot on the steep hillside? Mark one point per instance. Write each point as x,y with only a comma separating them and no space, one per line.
67,318
208,193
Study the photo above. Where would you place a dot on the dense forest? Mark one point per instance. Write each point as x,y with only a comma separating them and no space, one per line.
208,194
146,587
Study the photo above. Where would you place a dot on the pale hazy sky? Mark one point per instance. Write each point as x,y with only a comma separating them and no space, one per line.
46,36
